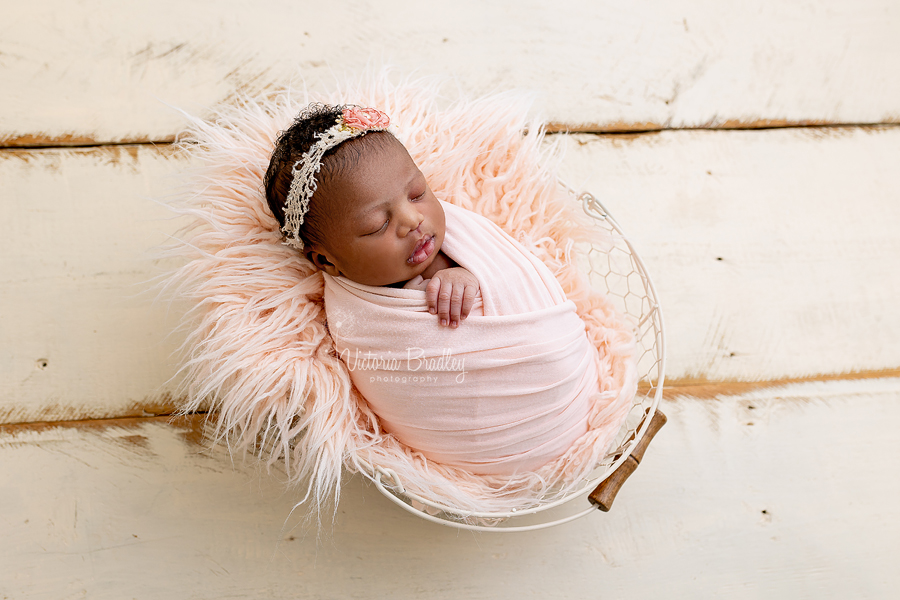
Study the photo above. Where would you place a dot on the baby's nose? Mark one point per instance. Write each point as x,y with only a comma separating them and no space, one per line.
412,230
413,222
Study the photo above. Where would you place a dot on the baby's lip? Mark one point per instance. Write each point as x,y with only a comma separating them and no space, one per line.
422,250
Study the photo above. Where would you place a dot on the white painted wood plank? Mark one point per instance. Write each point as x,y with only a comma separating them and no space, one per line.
100,71
775,253
781,493
805,224
80,337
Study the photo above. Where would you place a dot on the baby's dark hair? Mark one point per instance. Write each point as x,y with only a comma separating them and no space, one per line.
290,146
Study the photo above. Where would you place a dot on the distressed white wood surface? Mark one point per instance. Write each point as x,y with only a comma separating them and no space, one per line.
80,336
98,71
775,253
804,222
774,493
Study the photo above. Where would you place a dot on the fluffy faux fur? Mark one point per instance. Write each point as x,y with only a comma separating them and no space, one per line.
258,347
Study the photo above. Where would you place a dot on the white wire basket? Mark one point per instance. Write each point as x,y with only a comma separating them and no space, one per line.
615,269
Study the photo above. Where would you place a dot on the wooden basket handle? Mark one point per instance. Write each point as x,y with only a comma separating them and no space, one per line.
604,494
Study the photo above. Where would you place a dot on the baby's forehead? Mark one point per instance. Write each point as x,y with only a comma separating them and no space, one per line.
371,146
370,155
374,164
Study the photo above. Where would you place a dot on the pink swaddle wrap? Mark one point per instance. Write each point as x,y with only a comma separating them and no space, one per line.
508,391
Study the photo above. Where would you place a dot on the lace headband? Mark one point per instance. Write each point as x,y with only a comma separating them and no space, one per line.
353,122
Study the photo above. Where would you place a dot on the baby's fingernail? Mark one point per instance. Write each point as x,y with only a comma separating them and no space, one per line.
431,310
454,324
444,322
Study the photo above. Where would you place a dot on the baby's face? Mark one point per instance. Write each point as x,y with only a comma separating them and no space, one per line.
391,226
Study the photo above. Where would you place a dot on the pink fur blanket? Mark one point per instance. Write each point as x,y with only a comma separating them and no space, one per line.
258,351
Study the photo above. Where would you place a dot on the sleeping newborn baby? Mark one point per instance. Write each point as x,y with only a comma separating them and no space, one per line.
507,391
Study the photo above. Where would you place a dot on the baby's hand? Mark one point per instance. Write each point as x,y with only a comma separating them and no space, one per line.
416,283
451,294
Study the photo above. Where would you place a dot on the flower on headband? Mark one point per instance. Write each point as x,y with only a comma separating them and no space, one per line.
365,118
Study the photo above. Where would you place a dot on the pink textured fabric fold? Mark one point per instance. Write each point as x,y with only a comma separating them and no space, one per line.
508,391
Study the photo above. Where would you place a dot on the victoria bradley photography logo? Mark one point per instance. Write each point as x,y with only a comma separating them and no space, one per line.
415,361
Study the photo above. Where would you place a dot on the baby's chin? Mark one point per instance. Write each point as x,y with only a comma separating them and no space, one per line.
435,262
393,280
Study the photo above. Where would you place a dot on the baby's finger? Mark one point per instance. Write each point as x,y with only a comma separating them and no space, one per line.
443,304
431,294
416,283
468,300
456,302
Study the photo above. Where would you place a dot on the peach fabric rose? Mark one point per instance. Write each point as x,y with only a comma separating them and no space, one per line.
365,118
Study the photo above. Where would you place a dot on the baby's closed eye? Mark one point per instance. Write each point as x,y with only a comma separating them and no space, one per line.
375,231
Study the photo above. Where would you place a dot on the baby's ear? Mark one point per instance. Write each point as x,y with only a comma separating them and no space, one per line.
322,262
